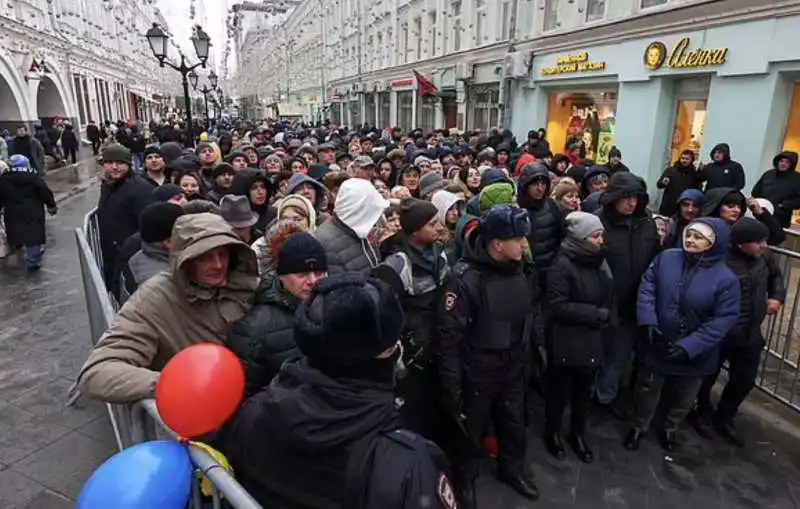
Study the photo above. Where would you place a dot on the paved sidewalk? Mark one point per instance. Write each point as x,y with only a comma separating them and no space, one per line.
70,180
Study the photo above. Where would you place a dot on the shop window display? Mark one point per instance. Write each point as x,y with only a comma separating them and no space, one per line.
582,123
690,120
791,140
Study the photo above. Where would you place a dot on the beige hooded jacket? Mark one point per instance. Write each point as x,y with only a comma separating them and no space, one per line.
169,313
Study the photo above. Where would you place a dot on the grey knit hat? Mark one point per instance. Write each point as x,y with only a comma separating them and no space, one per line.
582,224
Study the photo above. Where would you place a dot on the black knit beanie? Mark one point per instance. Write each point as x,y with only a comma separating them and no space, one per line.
300,254
166,192
221,169
156,221
152,149
415,213
748,230
348,321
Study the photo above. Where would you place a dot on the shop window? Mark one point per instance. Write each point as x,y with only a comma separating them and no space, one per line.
485,111
690,120
480,22
595,10
583,122
652,3
455,11
386,108
791,141
505,21
550,15
405,105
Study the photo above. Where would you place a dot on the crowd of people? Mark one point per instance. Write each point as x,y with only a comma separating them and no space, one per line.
395,298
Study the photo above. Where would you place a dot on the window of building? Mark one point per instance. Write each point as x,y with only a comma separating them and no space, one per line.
691,98
432,35
791,140
652,3
381,51
583,123
505,21
485,110
455,11
550,15
595,10
76,83
480,23
418,35
86,101
405,106
404,43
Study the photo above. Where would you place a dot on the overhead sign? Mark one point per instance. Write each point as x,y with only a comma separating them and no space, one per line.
403,83
656,56
571,64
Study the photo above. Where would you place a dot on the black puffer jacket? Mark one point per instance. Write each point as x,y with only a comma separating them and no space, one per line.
593,172
264,338
23,197
760,279
631,242
243,180
578,286
680,178
725,173
547,219
782,188
714,199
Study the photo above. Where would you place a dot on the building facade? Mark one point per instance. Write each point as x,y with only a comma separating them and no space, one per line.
79,60
652,77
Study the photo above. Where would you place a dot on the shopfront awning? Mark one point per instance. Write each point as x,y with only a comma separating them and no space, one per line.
291,110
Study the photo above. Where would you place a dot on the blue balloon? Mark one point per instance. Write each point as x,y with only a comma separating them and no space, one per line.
145,476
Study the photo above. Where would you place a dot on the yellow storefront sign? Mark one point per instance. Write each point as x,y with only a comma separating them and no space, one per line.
681,57
571,64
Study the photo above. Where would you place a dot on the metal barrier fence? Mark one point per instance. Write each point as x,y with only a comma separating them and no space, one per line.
140,422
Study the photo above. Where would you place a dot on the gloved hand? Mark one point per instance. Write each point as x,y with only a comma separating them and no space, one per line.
603,314
52,210
676,354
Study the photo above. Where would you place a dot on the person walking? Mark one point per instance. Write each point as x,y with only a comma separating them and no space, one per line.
69,143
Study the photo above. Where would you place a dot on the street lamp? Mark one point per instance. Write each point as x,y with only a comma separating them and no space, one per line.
159,40
206,91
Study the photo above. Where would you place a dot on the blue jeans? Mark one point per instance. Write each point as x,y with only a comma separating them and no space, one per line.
34,255
137,160
618,349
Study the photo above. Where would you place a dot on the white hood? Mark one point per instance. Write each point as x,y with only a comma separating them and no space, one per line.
359,206
443,201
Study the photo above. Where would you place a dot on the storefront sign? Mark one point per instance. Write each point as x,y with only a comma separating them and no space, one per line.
655,56
573,64
403,83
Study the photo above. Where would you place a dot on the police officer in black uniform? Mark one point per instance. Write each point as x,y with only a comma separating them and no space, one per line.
486,328
325,433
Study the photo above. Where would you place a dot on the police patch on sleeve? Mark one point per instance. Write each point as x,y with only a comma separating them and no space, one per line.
444,490
449,301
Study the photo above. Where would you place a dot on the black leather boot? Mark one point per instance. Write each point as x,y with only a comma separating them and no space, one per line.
520,482
668,441
582,450
700,421
554,445
726,431
632,439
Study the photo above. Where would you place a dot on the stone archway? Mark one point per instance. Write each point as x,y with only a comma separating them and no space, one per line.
9,106
49,101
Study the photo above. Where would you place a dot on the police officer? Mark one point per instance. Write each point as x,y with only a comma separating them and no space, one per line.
325,433
421,267
487,323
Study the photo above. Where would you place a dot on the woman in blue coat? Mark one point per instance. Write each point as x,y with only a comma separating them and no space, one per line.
688,301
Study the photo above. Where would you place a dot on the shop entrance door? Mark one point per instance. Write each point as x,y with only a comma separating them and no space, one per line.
450,110
691,103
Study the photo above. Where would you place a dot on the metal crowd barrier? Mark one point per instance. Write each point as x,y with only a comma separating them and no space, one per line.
140,422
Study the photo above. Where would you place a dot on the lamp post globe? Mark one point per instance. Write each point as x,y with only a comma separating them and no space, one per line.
193,78
158,40
202,44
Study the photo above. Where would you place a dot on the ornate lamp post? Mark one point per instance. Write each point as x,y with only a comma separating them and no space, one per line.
213,80
159,40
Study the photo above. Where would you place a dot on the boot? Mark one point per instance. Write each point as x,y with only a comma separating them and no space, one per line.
555,447
668,441
726,431
519,482
466,495
582,450
699,420
632,439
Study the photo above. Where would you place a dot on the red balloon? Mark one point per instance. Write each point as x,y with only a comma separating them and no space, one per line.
200,389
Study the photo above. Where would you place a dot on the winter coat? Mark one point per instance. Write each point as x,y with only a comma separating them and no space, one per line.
143,265
170,313
694,301
31,148
264,338
547,219
69,140
310,441
782,188
118,211
760,279
631,242
92,132
726,173
23,197
713,200
614,169
579,284
592,172
680,178
345,251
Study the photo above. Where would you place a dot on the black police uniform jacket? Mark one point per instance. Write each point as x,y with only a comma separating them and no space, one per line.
310,441
488,320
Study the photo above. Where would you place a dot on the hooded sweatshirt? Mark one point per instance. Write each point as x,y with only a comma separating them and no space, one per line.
726,173
547,219
169,313
782,188
298,179
358,208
